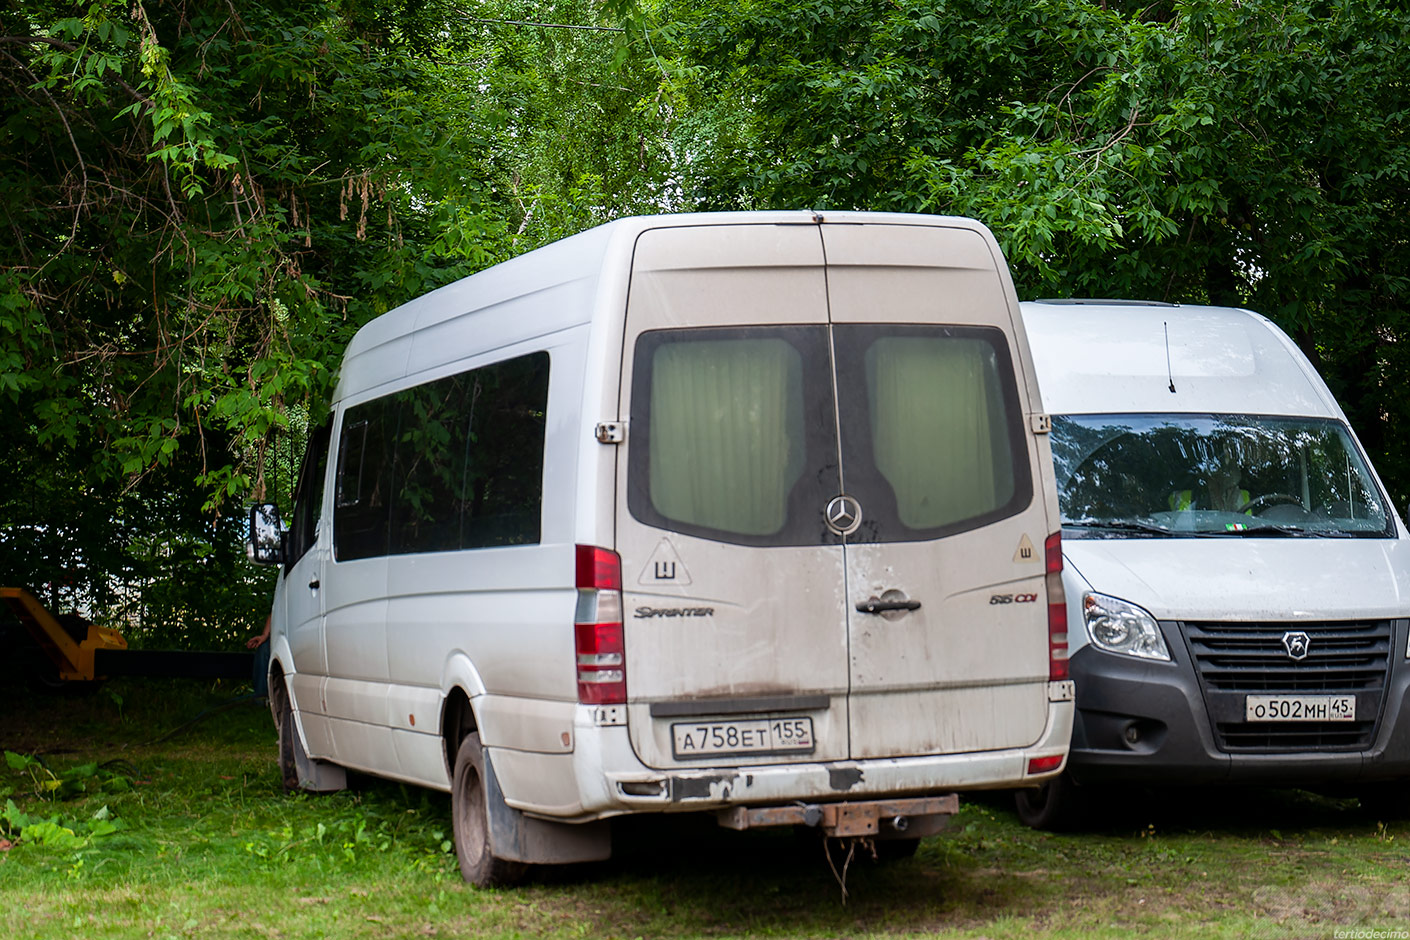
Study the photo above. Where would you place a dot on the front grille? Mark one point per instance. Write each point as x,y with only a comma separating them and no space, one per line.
1251,657
1237,659
1302,736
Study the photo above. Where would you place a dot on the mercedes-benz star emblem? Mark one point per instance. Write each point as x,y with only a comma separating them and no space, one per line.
843,515
1296,644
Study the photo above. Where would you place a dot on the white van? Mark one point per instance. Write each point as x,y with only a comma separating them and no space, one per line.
741,513
1237,581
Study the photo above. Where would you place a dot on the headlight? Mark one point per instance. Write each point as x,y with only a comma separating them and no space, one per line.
1119,627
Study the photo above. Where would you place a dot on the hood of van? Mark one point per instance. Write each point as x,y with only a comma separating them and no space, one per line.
1249,578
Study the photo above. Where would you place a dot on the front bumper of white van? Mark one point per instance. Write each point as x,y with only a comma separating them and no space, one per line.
1144,721
612,780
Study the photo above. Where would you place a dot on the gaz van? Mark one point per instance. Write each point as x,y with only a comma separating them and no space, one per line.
1237,582
743,514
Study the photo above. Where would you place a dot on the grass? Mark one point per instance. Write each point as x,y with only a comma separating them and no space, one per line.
111,833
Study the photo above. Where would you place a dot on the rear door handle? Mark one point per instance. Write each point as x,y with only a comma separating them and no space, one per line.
313,585
875,605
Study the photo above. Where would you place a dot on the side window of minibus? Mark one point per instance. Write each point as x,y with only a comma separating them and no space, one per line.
428,469
504,466
361,505
468,470
451,464
308,496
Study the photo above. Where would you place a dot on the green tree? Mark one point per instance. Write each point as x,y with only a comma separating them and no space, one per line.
1194,150
202,203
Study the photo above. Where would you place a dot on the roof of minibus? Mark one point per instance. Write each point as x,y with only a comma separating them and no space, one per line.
1103,357
540,292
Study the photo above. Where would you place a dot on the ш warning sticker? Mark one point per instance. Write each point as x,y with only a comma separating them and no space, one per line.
664,567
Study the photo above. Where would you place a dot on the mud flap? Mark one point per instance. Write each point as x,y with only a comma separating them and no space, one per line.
516,837
317,776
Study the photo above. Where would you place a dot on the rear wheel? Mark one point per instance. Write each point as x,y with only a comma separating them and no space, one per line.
1057,806
469,808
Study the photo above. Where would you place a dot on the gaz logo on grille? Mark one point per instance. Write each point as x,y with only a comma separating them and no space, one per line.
1296,643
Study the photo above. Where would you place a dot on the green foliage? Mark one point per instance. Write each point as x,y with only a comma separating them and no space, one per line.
71,781
1255,154
572,121
203,203
339,841
55,832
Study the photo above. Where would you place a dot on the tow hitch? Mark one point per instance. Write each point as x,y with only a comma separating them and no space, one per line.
912,818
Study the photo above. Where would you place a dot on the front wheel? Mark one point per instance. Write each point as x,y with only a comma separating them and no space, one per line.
469,809
290,747
1056,806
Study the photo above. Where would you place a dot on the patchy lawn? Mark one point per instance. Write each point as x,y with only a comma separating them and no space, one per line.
113,826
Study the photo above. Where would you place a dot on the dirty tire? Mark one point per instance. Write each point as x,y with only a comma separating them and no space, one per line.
1057,806
289,746
469,809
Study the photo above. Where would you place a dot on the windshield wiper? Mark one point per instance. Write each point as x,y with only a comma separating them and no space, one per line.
1121,525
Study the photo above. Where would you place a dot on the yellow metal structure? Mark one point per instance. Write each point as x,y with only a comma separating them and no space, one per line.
73,658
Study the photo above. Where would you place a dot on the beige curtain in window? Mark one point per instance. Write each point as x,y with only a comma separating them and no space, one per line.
938,428
726,433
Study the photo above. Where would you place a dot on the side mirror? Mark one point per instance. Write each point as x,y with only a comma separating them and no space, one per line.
266,542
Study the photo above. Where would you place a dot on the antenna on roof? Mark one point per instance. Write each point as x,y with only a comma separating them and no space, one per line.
1168,371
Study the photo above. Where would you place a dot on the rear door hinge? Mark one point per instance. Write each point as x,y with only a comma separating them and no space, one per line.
1040,423
611,432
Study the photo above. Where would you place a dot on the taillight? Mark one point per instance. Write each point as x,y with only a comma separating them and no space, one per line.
1057,609
597,628
1041,765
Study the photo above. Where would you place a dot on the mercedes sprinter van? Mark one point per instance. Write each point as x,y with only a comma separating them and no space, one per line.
748,514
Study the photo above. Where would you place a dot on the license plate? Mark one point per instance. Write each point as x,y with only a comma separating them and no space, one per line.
745,736
1300,708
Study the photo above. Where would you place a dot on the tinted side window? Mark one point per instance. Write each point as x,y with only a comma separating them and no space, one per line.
432,438
451,464
508,409
308,496
362,503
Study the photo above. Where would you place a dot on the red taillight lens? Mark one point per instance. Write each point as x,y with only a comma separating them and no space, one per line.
602,667
598,637
1057,609
598,569
1041,765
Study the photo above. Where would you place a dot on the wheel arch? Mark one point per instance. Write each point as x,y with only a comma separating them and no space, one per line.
461,685
457,720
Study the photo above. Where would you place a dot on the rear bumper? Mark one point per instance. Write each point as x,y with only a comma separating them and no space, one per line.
613,781
1147,722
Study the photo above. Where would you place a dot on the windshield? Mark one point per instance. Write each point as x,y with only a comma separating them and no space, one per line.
1213,475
